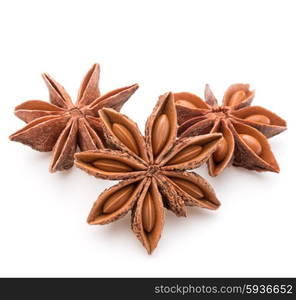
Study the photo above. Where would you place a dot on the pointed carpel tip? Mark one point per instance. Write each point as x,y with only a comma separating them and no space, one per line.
212,205
46,77
217,204
52,170
166,94
169,96
208,89
96,68
90,221
135,87
171,101
277,170
149,250
93,220
132,88
214,174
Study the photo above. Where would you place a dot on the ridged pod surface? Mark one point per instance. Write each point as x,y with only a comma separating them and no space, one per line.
152,168
244,128
64,127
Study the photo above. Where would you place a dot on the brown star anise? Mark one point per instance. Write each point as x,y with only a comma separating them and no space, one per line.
245,129
62,126
152,168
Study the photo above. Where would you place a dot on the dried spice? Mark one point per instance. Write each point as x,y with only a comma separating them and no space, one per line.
62,126
152,170
245,128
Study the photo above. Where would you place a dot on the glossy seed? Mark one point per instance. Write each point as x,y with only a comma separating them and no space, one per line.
190,188
185,154
125,136
221,151
252,142
160,133
148,213
111,165
186,103
117,199
237,98
259,119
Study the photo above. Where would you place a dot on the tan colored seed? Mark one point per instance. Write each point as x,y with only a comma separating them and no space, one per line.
186,103
111,165
258,118
186,154
190,188
252,142
237,98
221,151
160,134
117,199
125,136
148,213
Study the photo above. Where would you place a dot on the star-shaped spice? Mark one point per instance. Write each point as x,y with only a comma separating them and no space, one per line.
62,126
245,128
152,170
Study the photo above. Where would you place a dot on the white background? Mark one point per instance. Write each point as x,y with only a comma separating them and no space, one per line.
162,45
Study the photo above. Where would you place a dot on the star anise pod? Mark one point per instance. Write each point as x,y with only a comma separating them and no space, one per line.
245,128
152,170
62,126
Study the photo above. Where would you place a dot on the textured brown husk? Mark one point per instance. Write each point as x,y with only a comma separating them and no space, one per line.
65,127
246,157
149,168
209,117
210,200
